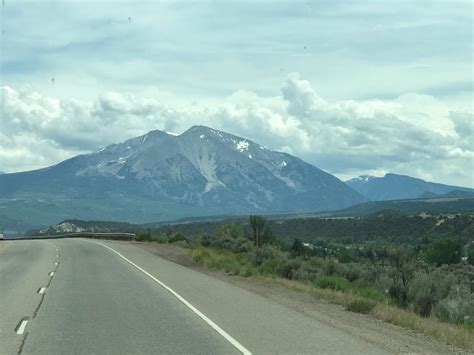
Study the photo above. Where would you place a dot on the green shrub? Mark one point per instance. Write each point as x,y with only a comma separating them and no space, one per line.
244,246
351,271
360,306
403,264
333,282
445,251
306,272
330,267
231,230
340,284
161,238
239,264
368,292
269,252
270,266
144,236
205,240
458,307
423,294
246,270
289,268
176,238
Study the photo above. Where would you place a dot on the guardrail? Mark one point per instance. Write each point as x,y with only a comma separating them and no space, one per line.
112,236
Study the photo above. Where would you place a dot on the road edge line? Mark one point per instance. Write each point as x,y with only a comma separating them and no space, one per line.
201,315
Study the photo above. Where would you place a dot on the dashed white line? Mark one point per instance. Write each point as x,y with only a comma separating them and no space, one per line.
42,290
21,329
51,274
213,325
56,263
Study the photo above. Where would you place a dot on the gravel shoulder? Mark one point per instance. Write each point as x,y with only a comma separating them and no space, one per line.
392,338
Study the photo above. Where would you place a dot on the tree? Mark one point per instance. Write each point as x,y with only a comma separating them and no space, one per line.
257,223
423,294
229,230
403,267
445,251
298,249
268,237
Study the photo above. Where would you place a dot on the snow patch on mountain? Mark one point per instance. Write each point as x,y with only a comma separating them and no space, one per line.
207,167
242,145
361,179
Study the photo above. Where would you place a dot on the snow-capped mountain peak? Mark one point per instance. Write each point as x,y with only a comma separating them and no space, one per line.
202,169
395,187
361,179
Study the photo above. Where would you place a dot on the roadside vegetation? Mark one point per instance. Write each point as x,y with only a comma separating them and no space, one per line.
426,285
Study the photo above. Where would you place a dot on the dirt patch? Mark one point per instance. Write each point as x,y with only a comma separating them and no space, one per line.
169,252
391,337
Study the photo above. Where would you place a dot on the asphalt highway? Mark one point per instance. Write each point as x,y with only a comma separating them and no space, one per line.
78,296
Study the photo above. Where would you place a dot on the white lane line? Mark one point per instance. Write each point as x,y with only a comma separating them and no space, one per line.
42,290
57,255
51,274
21,329
213,325
56,263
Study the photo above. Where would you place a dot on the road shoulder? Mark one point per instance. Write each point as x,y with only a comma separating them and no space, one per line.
391,337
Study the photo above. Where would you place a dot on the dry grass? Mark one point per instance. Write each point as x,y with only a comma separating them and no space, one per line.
456,335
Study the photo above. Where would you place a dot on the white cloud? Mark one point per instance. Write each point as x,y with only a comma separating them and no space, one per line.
413,134
355,49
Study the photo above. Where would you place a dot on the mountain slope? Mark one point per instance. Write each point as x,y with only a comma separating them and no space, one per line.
159,176
398,187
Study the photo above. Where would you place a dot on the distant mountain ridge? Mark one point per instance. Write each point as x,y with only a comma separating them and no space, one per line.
399,187
160,176
450,194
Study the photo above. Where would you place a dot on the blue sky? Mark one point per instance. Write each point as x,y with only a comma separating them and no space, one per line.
353,87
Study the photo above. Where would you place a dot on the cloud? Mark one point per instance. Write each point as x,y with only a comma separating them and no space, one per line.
413,134
301,97
355,49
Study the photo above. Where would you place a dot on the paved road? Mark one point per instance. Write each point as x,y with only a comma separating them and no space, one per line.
107,299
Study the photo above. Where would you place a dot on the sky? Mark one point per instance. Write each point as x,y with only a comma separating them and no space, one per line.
353,87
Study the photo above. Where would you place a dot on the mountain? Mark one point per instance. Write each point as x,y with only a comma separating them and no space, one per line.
160,176
411,206
78,226
8,224
398,187
450,194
